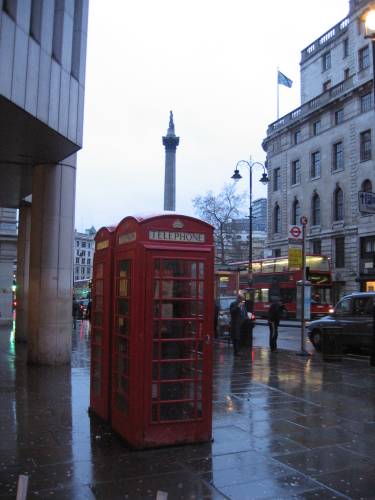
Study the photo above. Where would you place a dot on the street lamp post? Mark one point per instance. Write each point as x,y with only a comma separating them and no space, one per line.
369,20
264,180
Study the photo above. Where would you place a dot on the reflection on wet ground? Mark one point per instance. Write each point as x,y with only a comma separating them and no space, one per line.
285,426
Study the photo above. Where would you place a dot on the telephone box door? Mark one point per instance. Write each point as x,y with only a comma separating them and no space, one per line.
178,353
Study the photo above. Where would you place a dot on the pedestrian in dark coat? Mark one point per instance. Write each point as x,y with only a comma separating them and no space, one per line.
274,316
237,315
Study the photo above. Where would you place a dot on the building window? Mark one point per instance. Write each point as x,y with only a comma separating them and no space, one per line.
83,260
296,212
77,243
345,47
367,186
326,85
316,247
77,270
88,271
315,164
77,260
88,261
89,244
36,19
340,252
326,61
365,145
296,172
276,179
316,127
297,137
338,204
364,58
277,219
346,73
77,37
58,25
10,7
366,102
277,252
315,210
338,156
84,244
339,116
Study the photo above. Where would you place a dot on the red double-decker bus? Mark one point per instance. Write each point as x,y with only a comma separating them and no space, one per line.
272,279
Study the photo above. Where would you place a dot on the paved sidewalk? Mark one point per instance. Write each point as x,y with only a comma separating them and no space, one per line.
285,426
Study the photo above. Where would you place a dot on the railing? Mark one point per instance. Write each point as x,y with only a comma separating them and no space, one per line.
321,42
309,106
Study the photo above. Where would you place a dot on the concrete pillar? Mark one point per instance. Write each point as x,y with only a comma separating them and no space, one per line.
23,269
51,246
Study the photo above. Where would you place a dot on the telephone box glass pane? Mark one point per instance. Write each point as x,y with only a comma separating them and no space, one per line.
121,343
178,308
99,287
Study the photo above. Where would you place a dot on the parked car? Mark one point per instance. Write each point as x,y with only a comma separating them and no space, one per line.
223,323
352,319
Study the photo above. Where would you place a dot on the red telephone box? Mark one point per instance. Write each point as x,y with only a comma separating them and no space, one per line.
101,317
162,330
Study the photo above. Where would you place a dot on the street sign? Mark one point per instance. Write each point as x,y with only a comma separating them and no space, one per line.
295,232
366,202
294,258
303,220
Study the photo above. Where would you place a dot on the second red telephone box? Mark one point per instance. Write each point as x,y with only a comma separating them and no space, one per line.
162,328
101,296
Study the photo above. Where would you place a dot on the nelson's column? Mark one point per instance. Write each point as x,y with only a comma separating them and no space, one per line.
170,141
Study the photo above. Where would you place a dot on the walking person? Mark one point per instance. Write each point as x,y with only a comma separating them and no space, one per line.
237,312
274,316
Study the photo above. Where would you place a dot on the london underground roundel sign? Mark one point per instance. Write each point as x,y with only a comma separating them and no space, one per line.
295,232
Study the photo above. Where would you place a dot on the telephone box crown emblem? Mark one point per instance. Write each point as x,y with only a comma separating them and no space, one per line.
178,224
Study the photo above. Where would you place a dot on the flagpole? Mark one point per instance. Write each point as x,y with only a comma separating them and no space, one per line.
277,83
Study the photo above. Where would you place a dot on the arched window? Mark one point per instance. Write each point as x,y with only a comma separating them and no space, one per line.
296,212
277,219
315,210
338,204
367,185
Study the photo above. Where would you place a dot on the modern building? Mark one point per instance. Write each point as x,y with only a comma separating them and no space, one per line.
170,142
42,77
8,256
321,155
83,257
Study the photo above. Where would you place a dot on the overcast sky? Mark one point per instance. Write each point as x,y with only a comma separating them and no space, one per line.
212,62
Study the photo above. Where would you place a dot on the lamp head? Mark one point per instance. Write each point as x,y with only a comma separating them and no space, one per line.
236,176
264,179
370,23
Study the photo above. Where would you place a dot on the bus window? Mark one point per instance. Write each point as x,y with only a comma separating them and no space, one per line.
256,267
281,265
288,295
317,263
268,266
261,295
320,295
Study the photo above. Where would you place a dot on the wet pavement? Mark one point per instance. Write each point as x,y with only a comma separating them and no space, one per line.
285,426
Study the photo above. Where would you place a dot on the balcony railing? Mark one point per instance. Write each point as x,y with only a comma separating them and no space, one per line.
310,106
322,41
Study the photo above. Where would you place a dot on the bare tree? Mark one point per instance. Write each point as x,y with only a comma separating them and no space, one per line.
218,210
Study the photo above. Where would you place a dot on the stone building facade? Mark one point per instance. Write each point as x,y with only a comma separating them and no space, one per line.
83,254
321,156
